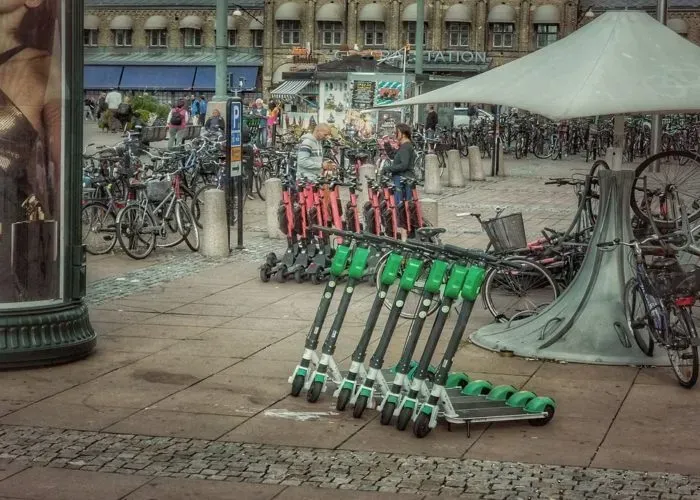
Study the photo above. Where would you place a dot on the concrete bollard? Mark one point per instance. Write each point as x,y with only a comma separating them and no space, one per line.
273,195
613,157
365,171
214,226
464,163
454,169
476,169
430,211
502,170
432,175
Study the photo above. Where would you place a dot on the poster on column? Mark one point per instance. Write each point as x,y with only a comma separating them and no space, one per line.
32,114
334,97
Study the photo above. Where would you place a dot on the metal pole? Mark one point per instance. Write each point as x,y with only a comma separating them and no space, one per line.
239,215
221,47
420,31
656,118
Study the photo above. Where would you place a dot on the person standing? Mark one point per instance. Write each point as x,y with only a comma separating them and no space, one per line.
216,123
113,99
272,121
177,124
124,113
101,105
403,162
310,164
431,121
202,110
194,111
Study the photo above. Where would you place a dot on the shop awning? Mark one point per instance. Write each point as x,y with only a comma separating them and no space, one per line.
546,14
289,11
121,23
101,77
158,77
678,25
373,12
191,22
256,25
410,13
330,12
91,22
502,13
459,13
156,23
289,89
205,78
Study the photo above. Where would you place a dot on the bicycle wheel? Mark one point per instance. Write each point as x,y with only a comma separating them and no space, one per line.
261,176
99,228
542,148
186,225
136,231
683,349
507,292
639,322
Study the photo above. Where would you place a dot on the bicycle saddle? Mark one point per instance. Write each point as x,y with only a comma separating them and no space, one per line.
429,232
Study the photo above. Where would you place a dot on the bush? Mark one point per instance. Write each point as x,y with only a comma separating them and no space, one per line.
149,103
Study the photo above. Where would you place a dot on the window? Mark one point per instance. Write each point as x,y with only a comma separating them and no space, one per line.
290,32
90,38
157,38
374,33
192,37
458,34
546,34
232,38
410,28
331,32
122,38
258,38
502,35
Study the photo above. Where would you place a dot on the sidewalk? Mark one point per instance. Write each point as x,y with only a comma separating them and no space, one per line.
187,393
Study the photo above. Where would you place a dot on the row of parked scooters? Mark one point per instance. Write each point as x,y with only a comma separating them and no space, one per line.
410,392
306,204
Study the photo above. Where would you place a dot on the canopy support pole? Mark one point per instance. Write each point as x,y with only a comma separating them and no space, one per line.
656,119
586,324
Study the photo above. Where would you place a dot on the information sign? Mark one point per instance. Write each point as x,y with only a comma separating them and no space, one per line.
236,114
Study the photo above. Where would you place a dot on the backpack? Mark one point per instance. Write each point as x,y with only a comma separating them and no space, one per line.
176,117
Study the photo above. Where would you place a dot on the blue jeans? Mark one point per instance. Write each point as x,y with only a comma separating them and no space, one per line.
401,192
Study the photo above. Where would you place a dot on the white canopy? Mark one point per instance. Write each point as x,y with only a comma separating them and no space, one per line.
621,63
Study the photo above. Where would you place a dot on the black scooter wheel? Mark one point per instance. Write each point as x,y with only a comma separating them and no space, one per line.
280,275
264,274
314,392
360,406
271,259
404,418
387,413
316,278
343,399
297,385
421,427
538,422
299,275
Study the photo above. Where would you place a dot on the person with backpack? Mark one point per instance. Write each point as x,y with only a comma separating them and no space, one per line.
124,113
177,124
402,164
202,110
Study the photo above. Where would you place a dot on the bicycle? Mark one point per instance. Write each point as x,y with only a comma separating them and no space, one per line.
658,302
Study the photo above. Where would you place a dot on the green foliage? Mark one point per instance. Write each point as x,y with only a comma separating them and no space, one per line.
144,102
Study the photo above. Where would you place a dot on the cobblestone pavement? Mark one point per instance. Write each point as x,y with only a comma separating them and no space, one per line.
331,469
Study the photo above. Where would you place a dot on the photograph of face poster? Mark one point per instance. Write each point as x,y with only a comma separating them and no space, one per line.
31,108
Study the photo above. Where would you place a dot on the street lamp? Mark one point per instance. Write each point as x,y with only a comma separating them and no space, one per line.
239,11
589,14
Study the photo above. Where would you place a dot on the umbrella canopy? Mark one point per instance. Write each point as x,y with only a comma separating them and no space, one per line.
621,63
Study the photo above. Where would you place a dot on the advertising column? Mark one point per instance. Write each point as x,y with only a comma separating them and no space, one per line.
42,274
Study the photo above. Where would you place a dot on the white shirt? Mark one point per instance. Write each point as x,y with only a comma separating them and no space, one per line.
113,100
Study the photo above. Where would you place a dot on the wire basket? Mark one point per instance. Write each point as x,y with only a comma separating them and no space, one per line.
678,282
156,191
506,233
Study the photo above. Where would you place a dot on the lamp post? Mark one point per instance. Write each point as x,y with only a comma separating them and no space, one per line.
221,47
420,31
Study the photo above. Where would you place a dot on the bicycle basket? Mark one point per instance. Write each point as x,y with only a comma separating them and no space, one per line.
506,233
678,282
157,190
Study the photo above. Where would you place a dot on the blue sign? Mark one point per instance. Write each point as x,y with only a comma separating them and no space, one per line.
236,117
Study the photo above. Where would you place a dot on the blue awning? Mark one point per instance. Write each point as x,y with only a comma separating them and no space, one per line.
157,78
101,77
205,78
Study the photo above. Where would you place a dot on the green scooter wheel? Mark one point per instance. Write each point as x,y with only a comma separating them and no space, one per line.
343,399
421,427
387,413
314,392
297,385
404,418
360,406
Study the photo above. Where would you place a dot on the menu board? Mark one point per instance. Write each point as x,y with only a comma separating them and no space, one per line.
363,94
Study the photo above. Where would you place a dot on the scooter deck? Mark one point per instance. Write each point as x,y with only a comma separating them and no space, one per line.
476,409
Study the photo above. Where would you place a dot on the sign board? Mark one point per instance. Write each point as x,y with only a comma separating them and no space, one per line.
236,114
363,94
435,58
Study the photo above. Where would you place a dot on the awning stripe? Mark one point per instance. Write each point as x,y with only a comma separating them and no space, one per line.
289,88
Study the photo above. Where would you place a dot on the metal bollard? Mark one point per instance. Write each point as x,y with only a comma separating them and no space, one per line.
430,211
476,169
464,163
215,229
273,195
454,169
432,175
365,171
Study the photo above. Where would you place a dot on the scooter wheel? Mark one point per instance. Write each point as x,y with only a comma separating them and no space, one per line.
299,275
387,413
314,392
343,399
421,427
297,385
404,418
280,275
538,422
265,274
360,406
271,259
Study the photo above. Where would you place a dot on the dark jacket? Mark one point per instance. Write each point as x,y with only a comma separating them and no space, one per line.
404,161
431,120
215,123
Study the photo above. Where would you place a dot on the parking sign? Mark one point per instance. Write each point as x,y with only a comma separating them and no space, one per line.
236,114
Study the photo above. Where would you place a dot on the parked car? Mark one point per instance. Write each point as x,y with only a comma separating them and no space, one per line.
462,119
